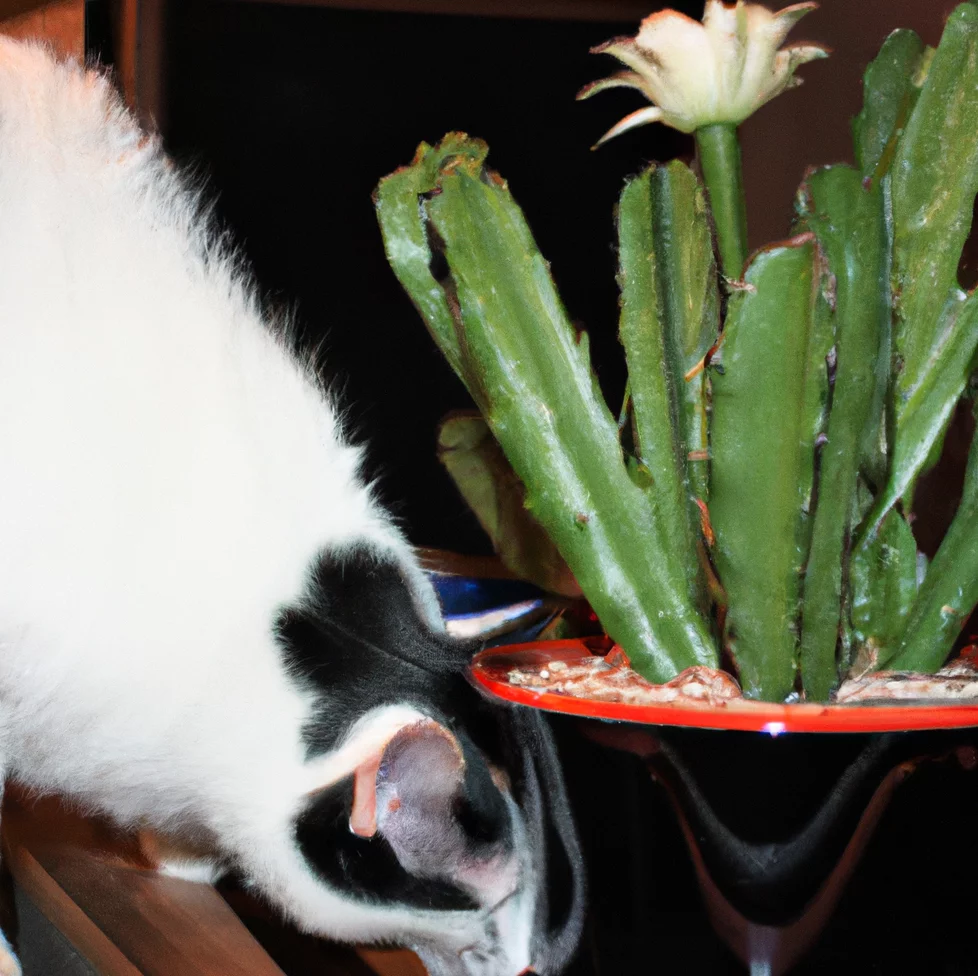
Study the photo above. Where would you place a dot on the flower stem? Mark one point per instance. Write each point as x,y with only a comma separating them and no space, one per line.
719,157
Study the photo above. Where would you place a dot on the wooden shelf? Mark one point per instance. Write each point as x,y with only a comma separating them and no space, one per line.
60,23
124,919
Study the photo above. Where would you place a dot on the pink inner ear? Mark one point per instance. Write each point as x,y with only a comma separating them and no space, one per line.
363,816
419,735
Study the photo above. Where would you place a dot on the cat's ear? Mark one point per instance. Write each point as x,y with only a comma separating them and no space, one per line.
408,745
432,797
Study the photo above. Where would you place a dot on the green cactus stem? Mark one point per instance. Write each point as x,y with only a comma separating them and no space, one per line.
950,589
768,406
849,221
669,319
476,463
883,577
510,340
891,87
718,152
691,307
927,409
933,183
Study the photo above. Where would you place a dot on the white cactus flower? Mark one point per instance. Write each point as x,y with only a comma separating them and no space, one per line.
698,74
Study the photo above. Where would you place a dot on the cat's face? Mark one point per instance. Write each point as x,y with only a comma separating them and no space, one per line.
427,823
426,796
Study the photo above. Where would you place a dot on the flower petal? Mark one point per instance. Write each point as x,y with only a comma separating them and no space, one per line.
626,50
785,19
622,79
783,76
642,117
669,38
717,71
681,63
720,16
727,27
799,54
670,22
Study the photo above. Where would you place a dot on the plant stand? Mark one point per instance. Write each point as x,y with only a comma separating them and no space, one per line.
777,804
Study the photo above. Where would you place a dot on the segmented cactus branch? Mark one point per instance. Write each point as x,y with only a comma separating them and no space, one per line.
530,373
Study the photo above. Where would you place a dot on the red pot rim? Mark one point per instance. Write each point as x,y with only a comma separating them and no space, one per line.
491,667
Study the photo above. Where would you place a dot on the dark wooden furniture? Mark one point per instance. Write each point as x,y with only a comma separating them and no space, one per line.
59,22
85,885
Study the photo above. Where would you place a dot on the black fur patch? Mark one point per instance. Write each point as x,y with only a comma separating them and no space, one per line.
364,868
358,641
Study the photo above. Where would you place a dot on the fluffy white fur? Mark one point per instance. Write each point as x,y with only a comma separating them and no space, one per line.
167,473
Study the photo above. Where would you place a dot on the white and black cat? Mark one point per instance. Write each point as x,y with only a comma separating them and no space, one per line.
208,626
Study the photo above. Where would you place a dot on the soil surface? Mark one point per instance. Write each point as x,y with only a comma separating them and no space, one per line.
610,679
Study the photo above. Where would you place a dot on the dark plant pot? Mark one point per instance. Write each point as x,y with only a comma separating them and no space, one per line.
803,838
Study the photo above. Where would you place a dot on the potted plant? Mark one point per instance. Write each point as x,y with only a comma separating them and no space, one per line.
743,526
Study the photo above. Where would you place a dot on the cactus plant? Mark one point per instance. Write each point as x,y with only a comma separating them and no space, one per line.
754,503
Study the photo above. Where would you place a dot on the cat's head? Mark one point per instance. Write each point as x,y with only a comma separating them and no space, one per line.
425,797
